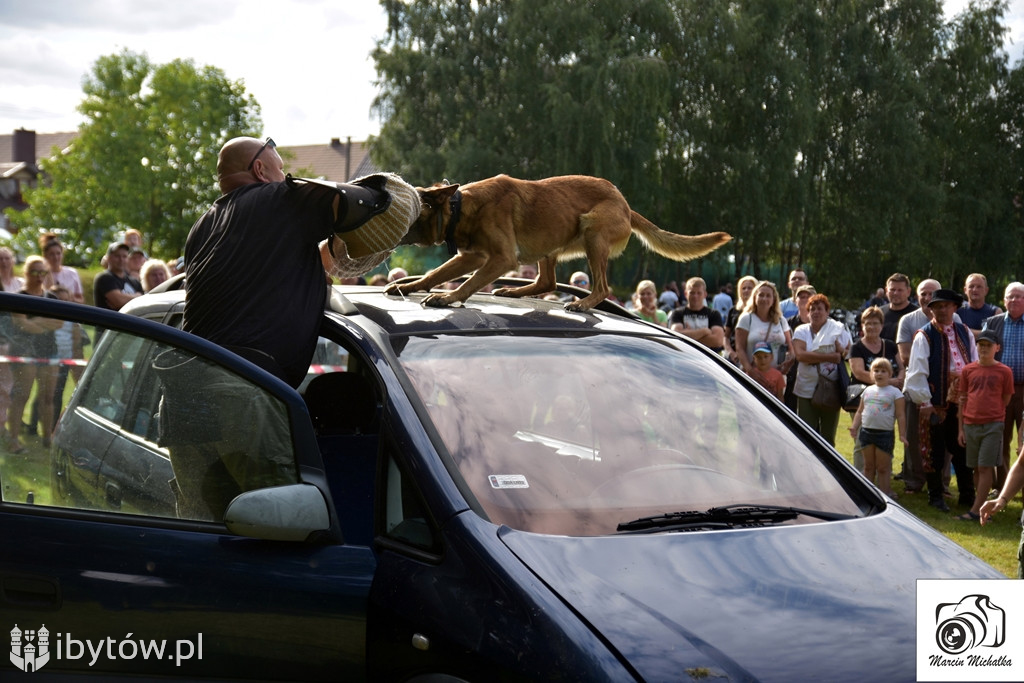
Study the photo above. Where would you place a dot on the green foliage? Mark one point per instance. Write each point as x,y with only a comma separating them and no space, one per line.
854,137
145,158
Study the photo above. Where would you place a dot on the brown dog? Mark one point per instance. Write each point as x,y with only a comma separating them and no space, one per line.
501,222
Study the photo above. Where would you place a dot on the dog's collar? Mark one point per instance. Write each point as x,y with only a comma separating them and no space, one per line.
455,207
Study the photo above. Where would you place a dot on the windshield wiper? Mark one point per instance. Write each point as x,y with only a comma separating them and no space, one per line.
726,517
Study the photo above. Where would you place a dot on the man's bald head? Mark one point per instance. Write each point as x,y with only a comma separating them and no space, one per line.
928,285
236,165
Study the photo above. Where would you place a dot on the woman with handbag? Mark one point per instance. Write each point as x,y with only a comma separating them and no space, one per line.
821,346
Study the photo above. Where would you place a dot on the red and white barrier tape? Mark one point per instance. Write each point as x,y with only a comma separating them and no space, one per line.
25,360
81,362
324,369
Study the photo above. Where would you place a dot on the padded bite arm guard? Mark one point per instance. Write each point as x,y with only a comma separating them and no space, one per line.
374,215
361,199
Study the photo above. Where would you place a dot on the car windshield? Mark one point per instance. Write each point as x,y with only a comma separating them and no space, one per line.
577,435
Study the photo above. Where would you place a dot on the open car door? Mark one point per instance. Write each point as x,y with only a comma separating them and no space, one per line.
179,524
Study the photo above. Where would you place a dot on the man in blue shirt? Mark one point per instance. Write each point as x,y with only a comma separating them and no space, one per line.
975,310
797,279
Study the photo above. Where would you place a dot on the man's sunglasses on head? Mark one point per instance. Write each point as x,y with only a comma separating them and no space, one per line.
269,143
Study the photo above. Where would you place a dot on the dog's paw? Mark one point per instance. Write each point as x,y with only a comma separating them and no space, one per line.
503,291
578,306
437,300
394,289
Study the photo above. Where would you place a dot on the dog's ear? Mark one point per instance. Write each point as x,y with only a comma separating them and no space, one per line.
436,195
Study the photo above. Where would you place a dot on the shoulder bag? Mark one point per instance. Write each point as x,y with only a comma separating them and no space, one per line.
826,393
830,394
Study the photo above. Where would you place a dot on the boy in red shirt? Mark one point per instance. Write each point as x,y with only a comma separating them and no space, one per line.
986,386
770,378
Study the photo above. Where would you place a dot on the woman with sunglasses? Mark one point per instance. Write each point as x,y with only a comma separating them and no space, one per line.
32,339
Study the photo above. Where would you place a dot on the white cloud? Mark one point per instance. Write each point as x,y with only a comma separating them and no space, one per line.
305,61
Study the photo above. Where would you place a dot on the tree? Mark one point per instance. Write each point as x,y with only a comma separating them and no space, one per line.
144,158
853,137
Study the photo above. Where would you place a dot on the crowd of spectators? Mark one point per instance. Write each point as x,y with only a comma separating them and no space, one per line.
788,345
910,361
39,355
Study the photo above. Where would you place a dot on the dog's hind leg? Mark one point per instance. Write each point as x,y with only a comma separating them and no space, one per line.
604,236
600,290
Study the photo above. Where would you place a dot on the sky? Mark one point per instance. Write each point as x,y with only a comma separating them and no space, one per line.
307,62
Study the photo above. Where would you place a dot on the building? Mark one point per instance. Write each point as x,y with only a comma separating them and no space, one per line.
21,152
19,166
338,161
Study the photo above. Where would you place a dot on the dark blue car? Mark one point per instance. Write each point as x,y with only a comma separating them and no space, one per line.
498,491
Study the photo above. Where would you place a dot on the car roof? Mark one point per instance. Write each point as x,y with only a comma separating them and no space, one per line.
481,312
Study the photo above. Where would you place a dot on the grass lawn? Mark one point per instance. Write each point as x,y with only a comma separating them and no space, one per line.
995,543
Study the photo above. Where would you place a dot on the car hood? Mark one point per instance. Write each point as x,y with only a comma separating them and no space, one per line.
828,601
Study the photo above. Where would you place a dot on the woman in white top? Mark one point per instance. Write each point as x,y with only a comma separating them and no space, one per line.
763,322
10,281
820,345
53,252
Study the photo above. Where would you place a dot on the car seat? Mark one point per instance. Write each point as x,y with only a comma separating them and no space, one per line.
341,403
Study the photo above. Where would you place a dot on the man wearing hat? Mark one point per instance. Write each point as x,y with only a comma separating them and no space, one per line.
938,354
986,388
114,287
912,472
264,217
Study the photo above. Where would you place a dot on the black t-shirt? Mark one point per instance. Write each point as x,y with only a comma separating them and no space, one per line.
891,321
730,325
889,351
107,281
254,274
704,319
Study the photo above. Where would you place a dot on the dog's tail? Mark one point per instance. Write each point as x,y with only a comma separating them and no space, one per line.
674,246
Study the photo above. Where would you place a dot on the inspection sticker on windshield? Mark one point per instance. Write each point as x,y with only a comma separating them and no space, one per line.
508,481
970,630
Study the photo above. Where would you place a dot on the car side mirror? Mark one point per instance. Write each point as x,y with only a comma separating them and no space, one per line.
280,513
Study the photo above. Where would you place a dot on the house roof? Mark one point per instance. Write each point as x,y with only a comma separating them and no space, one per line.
338,160
44,143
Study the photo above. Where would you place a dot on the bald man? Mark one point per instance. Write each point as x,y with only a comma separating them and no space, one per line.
254,268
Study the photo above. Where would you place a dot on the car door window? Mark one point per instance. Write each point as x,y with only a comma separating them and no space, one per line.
106,387
223,435
153,429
